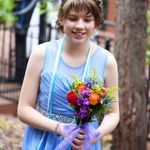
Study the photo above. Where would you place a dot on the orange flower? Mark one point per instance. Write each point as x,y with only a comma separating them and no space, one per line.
80,87
94,97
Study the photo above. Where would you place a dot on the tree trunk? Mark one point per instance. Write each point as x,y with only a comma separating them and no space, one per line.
130,49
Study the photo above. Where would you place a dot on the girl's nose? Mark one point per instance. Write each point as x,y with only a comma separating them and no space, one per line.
79,24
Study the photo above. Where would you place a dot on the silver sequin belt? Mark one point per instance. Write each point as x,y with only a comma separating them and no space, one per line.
57,117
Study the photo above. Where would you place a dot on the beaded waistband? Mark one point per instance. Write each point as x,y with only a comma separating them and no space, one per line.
57,117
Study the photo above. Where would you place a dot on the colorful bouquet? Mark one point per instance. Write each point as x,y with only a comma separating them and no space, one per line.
89,98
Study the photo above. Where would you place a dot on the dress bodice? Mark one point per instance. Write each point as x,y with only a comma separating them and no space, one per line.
63,77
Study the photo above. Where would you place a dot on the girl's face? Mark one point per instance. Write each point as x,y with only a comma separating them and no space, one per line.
79,26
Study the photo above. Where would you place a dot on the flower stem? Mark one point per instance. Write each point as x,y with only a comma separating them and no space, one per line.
79,122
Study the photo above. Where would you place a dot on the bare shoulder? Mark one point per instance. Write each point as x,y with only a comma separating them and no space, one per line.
39,51
111,62
37,56
111,72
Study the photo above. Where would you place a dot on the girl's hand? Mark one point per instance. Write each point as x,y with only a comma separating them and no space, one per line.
59,130
78,141
93,140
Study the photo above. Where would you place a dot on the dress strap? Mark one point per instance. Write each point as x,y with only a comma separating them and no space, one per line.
87,65
57,61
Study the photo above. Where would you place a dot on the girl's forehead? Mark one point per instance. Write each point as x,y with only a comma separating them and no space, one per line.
73,6
82,11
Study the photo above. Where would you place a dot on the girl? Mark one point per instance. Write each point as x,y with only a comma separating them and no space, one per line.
42,104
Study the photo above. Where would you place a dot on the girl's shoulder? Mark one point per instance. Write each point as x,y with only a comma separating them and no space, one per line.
39,51
37,56
111,60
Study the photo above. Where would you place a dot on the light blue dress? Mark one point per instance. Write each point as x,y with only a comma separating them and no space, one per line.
33,136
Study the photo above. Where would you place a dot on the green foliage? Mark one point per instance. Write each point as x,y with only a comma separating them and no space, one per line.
6,16
43,6
75,83
148,39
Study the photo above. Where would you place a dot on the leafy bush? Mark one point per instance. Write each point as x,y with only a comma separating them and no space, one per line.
7,7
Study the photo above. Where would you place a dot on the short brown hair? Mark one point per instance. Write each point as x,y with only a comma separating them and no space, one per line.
91,6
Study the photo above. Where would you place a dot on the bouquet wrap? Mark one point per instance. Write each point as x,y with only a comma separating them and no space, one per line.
73,130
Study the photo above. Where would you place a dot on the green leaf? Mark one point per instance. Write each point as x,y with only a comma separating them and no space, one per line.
148,39
148,61
7,7
148,53
148,14
148,30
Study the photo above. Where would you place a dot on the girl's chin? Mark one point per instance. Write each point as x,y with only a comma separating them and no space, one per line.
79,39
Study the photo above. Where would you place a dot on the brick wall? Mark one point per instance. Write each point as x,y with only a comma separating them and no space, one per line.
148,4
111,13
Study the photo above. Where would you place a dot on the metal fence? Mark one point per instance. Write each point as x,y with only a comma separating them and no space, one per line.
9,89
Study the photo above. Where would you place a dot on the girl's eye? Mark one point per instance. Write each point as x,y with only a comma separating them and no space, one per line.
72,19
87,20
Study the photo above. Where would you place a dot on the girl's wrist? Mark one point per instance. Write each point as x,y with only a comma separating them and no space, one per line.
97,138
57,128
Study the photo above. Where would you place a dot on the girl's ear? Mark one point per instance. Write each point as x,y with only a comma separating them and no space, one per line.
61,21
95,29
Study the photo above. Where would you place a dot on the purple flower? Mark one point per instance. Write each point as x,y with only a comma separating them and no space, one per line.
90,83
82,113
83,102
94,82
86,92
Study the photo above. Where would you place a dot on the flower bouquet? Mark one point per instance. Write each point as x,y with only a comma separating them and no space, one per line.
87,98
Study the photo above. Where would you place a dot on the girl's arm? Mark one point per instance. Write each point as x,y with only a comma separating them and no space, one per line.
29,90
110,120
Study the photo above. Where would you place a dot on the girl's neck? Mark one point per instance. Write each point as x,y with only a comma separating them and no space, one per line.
76,49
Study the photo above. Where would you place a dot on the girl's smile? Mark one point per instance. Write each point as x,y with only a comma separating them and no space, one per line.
78,35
